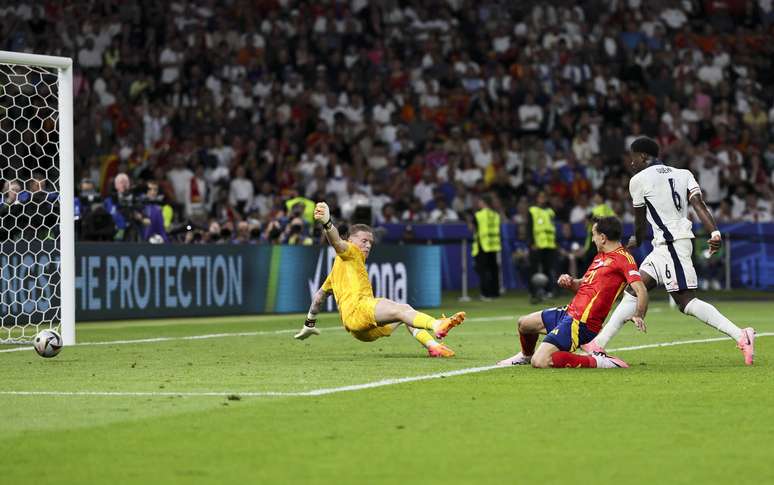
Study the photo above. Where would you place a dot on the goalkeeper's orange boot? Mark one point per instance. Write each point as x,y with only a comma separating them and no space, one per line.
448,323
440,350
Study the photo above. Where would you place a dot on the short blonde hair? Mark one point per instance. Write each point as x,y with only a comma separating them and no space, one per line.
355,228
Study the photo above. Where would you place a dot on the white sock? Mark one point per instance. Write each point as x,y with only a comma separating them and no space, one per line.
712,317
623,312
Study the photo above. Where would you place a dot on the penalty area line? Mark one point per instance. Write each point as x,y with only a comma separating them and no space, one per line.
333,390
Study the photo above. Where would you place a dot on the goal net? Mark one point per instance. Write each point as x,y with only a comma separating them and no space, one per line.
37,259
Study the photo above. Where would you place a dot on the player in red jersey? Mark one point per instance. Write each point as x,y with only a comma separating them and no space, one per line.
570,327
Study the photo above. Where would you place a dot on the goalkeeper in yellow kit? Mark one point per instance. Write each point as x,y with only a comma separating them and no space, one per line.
365,317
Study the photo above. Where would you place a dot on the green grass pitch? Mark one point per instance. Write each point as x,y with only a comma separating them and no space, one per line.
191,410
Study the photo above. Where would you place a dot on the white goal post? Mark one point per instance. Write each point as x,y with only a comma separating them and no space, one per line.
36,125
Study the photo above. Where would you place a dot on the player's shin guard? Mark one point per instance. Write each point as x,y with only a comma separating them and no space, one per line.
568,359
423,320
623,312
712,317
528,342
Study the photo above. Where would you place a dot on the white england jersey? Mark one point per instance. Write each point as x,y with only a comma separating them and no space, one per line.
665,192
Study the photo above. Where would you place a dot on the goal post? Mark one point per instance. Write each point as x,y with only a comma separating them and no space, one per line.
36,98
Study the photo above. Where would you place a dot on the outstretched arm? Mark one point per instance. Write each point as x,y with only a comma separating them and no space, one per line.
309,327
322,214
317,300
707,220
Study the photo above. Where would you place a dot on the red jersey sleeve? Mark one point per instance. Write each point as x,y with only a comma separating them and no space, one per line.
628,267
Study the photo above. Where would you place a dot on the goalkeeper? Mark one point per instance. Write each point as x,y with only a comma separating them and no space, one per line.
365,317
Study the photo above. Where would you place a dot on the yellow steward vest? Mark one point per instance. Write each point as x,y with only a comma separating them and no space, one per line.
487,235
543,229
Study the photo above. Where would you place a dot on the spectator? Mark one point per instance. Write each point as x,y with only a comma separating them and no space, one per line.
581,211
754,210
530,115
193,84
240,191
442,212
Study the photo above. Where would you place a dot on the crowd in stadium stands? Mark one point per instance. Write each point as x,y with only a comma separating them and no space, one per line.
199,120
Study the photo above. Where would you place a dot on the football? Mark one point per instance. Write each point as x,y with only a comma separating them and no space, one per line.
48,343
539,280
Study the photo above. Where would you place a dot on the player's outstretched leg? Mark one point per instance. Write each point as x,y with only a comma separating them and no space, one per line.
434,348
390,311
447,323
745,338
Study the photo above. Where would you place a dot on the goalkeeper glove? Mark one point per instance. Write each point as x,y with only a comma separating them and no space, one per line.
322,214
307,330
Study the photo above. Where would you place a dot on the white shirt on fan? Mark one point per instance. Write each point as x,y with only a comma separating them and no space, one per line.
665,192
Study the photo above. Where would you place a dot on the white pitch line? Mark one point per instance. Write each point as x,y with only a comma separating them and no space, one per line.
685,342
222,335
333,390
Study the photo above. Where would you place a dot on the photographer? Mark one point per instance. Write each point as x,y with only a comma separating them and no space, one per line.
296,234
92,221
153,217
119,206
273,232
137,216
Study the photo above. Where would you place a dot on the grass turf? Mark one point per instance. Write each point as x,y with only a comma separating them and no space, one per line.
681,414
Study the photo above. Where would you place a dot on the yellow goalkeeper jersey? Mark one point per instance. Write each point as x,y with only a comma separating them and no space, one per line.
349,281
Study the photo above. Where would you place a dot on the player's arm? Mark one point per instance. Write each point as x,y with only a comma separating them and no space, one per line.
640,219
707,220
642,305
310,325
569,283
322,214
640,228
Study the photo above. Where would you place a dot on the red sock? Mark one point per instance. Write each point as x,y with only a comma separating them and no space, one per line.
568,359
528,342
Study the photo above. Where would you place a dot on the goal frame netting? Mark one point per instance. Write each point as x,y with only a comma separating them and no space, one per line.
64,68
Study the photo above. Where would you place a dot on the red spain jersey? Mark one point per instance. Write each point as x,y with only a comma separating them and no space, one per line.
606,277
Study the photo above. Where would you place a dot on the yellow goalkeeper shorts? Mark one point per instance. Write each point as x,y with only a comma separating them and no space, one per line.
360,321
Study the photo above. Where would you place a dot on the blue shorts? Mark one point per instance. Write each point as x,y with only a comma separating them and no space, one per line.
563,331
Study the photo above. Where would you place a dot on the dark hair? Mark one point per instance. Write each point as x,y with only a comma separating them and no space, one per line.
610,227
355,228
646,145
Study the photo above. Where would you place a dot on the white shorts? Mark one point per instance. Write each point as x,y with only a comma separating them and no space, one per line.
670,265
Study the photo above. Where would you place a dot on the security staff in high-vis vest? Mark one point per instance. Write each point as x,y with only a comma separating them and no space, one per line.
541,237
599,210
486,245
308,211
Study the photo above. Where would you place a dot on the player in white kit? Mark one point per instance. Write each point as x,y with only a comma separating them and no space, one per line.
661,195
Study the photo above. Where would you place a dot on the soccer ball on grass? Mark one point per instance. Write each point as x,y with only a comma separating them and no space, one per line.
48,343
